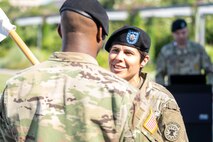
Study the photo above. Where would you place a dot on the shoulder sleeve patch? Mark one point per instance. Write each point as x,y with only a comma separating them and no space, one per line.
172,131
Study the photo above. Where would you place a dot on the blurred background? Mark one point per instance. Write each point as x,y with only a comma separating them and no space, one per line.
36,23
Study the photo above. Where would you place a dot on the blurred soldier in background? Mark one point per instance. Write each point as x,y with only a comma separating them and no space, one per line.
182,56
128,49
69,98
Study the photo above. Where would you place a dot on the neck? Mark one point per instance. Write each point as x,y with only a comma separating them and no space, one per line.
182,44
73,44
135,81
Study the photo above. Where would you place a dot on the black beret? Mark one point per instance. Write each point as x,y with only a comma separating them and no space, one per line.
178,24
92,8
129,36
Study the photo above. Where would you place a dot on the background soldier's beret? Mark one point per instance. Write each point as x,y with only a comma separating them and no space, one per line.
178,24
129,36
89,8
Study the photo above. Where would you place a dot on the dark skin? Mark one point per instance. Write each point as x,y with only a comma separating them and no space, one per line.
80,34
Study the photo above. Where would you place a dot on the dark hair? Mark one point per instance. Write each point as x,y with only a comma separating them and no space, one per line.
142,55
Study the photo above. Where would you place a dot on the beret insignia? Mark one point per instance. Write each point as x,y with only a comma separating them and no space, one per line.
132,37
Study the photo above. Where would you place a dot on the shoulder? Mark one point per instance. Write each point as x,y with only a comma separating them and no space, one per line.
160,89
195,45
168,102
18,76
167,49
167,46
26,74
111,80
157,92
169,113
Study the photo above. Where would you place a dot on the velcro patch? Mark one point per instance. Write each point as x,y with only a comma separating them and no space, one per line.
172,131
151,123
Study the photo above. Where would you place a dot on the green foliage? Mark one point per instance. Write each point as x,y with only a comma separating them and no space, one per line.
209,50
160,34
159,31
157,28
51,41
40,10
5,45
3,78
108,4
177,2
28,34
208,29
102,59
15,59
15,12
12,12
114,26
134,19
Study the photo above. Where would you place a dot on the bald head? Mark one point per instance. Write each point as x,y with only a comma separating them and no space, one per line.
80,33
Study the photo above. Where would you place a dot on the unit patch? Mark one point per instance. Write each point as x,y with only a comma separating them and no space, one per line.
172,131
132,37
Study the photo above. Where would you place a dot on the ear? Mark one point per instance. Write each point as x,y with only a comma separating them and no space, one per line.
145,61
59,30
99,34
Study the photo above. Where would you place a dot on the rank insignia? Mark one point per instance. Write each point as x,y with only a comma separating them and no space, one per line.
151,123
132,37
172,131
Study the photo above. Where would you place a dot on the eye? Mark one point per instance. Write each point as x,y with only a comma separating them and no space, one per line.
129,53
114,50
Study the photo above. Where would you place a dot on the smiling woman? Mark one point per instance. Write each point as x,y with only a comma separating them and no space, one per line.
128,49
125,62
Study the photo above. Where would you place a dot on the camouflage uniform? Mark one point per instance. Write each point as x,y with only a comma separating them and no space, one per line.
190,60
170,122
67,99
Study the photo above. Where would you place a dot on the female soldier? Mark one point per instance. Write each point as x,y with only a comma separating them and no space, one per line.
128,49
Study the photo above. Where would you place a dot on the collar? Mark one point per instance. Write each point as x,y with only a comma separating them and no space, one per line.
73,56
143,79
176,45
145,85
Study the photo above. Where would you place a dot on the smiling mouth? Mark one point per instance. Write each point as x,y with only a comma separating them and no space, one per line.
118,68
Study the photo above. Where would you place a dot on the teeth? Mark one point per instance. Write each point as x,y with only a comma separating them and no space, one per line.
118,67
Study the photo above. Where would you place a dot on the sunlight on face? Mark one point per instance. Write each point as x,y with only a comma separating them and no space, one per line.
124,61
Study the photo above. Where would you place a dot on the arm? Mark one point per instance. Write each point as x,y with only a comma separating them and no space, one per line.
139,128
171,123
6,134
160,69
207,65
205,61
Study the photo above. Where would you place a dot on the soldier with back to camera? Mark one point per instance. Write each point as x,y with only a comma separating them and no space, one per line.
69,98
